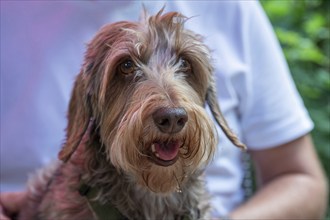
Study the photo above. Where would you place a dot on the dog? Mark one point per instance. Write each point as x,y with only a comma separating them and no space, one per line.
138,136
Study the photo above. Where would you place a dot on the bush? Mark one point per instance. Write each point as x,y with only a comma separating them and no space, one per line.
302,28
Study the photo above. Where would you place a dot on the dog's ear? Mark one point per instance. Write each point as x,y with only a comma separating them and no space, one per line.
211,99
79,117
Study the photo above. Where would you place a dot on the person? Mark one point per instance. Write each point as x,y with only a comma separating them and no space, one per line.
42,47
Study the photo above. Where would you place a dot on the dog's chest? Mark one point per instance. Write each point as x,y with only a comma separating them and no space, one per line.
160,207
135,202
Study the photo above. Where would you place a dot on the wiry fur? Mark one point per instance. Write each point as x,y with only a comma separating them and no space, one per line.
118,107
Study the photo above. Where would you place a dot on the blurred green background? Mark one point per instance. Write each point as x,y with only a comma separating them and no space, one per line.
303,29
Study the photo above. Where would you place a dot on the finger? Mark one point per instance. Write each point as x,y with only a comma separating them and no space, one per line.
2,214
3,217
12,201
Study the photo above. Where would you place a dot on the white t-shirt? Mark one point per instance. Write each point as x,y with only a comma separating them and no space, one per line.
42,47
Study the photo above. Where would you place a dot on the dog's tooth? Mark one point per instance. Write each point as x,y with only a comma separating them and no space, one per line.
153,148
157,155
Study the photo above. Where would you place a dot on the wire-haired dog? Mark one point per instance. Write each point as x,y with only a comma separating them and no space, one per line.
139,103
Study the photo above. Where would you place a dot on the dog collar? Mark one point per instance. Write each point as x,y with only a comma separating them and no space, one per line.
105,211
102,211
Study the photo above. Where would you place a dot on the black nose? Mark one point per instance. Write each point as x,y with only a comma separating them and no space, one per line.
170,120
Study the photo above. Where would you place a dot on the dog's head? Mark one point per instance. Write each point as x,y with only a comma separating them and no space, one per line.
145,85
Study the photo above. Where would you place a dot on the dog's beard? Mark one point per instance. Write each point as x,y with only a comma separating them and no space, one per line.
131,150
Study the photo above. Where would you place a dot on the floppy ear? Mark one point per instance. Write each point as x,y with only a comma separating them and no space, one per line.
211,99
78,118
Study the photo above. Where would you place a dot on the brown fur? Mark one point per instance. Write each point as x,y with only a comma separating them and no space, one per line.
118,106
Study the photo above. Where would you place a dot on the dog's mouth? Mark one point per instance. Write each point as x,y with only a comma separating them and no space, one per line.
165,153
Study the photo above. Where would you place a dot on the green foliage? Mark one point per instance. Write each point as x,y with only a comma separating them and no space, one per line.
303,29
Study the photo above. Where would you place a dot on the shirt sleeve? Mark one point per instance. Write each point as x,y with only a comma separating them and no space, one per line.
271,109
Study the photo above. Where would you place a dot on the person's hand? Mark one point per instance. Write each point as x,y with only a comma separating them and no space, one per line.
10,204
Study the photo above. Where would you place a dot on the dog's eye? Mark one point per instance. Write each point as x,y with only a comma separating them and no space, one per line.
127,67
185,65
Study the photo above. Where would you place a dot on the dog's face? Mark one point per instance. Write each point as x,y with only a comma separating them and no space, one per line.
145,85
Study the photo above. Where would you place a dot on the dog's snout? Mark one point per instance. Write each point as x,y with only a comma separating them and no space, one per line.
170,120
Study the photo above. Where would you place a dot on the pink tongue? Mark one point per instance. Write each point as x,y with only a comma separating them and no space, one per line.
167,151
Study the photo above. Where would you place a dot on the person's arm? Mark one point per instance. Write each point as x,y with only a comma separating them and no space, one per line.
292,184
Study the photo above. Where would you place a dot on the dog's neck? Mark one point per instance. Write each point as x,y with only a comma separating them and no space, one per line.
133,200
